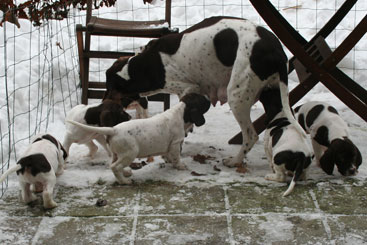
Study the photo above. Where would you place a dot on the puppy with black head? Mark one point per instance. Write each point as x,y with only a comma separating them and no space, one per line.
286,149
42,161
330,138
161,134
106,114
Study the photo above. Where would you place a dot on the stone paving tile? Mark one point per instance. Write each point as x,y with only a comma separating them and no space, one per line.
256,199
17,230
171,199
182,230
75,230
348,229
278,229
342,199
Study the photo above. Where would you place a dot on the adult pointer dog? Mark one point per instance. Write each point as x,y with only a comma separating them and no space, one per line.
228,59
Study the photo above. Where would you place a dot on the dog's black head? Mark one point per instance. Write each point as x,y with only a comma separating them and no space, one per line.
107,114
112,114
344,154
196,106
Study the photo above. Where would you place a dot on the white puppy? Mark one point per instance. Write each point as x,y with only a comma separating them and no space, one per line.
42,161
287,151
161,134
106,114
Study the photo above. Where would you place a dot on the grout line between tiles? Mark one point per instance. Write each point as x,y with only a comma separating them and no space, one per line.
228,215
323,216
136,215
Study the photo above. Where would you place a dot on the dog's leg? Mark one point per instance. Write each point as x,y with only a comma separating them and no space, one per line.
102,140
242,91
67,142
92,149
120,171
278,176
27,195
173,156
48,189
268,150
318,151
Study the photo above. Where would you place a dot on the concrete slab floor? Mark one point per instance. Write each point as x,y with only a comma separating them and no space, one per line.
164,213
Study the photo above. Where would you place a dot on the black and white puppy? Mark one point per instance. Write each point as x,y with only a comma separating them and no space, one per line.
162,134
330,138
106,114
42,161
227,59
287,151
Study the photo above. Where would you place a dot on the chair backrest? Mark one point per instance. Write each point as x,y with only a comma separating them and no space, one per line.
167,17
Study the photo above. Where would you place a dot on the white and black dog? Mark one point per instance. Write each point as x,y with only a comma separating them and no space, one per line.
330,138
161,134
42,161
287,151
224,58
106,114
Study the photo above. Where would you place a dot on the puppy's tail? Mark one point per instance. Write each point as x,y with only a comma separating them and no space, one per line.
287,109
99,130
9,171
297,174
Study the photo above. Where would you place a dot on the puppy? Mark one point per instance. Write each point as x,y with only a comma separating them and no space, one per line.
161,134
330,138
42,161
106,114
287,151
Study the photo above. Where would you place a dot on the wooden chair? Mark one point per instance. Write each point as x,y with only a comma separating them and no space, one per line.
96,26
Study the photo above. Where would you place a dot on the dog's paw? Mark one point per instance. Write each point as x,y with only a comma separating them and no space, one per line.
274,177
127,172
50,205
232,162
180,166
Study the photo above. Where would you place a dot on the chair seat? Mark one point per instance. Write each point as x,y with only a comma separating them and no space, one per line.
106,27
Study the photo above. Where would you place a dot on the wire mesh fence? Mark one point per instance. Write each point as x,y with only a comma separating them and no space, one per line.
39,72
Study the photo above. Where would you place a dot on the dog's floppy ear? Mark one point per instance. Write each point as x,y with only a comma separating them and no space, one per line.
107,119
358,157
327,162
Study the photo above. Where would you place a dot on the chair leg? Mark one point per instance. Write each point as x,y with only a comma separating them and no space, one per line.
79,37
85,82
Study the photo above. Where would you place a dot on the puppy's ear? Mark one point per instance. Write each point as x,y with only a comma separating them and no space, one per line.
358,157
327,162
65,154
107,119
197,117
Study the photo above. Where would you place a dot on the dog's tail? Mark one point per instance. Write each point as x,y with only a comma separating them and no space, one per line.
285,103
9,171
99,130
300,161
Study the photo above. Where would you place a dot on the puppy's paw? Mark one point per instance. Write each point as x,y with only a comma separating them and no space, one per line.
180,166
50,205
127,172
274,177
